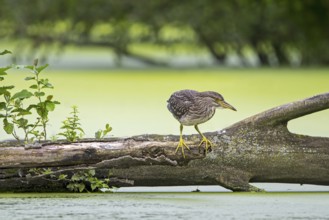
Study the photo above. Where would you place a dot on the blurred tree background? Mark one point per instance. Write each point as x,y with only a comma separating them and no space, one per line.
273,32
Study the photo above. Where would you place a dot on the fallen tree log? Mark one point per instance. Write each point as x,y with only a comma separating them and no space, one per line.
257,149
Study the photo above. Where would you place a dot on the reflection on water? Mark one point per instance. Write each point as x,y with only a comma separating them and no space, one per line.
165,206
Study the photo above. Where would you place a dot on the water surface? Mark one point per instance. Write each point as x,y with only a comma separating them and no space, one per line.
165,206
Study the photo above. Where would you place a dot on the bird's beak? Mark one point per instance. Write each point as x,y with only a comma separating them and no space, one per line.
226,105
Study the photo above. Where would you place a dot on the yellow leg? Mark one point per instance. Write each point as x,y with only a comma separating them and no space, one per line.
181,143
204,140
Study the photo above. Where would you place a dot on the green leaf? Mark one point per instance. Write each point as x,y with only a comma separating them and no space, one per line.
101,133
91,172
5,52
30,126
39,94
29,67
7,96
22,122
7,87
43,81
62,177
22,111
29,78
40,68
81,187
24,94
50,106
2,105
70,186
1,78
4,89
76,177
3,70
67,127
42,113
32,106
107,126
18,103
47,171
98,134
106,186
48,86
107,129
34,87
93,186
80,129
8,127
76,187
49,98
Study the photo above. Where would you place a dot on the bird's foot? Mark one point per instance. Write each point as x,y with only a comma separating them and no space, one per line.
207,142
181,144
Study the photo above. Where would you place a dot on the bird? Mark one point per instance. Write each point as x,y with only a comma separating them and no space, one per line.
192,108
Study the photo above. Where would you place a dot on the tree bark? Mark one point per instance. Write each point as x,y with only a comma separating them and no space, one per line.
257,149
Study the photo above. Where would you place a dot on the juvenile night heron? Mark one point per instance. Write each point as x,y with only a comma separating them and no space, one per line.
191,107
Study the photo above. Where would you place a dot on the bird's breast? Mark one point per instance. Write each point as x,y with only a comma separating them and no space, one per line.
197,116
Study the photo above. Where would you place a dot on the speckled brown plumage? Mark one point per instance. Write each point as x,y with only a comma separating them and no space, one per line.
191,107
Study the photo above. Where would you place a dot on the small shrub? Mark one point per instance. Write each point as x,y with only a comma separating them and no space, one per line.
72,127
102,133
14,110
86,181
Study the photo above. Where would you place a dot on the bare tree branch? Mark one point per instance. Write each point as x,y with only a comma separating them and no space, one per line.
284,113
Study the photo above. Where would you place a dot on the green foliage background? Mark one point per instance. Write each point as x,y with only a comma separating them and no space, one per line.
277,32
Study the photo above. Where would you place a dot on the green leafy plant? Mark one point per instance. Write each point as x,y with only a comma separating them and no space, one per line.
16,115
27,110
85,181
81,181
62,177
45,103
40,171
72,127
14,111
102,133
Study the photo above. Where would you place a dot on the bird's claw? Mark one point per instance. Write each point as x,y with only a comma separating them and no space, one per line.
207,142
181,144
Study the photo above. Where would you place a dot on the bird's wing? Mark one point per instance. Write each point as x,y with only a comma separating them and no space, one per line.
179,103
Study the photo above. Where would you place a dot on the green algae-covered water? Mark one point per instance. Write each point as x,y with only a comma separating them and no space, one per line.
165,206
134,101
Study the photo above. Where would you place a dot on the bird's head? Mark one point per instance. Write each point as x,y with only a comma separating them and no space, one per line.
218,100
